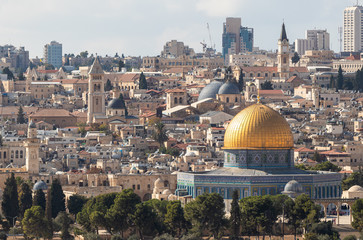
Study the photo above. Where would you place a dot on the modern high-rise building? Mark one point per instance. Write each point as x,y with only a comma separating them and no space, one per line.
320,39
53,54
235,38
314,40
353,32
174,49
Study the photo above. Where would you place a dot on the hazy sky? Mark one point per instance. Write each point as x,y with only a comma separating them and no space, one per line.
141,27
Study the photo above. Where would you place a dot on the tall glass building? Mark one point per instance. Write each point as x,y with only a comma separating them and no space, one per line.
53,54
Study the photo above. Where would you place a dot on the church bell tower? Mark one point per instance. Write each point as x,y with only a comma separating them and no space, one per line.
96,92
283,55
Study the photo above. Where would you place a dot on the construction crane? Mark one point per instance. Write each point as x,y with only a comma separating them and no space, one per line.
210,37
204,45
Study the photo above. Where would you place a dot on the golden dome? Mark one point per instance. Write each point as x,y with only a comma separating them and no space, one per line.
258,127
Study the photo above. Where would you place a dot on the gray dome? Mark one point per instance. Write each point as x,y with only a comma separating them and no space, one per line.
210,91
40,185
116,103
293,186
32,125
228,88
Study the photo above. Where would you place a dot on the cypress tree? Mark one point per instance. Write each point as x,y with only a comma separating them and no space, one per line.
142,81
332,82
123,101
39,199
236,217
25,198
57,198
10,203
340,80
240,81
20,118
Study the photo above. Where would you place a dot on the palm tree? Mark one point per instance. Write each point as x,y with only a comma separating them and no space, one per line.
159,133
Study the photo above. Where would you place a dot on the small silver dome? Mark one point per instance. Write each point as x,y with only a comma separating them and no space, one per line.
40,185
293,187
210,91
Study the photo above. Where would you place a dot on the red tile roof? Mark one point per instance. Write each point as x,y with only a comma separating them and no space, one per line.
304,149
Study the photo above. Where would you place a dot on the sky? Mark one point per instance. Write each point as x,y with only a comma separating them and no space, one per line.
142,27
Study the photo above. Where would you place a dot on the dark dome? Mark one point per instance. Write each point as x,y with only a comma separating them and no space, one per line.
40,185
228,88
116,103
210,91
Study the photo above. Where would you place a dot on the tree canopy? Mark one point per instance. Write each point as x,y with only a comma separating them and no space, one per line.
142,81
10,203
57,198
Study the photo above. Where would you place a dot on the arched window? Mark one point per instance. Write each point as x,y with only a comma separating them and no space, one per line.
21,153
236,100
176,100
16,154
180,100
284,60
227,99
95,87
96,101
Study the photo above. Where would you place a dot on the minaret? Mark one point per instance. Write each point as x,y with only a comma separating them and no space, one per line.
32,145
283,55
96,92
315,95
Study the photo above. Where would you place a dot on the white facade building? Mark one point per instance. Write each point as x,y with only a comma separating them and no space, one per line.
53,54
353,34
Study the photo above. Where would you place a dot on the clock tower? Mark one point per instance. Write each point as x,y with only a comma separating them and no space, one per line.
283,55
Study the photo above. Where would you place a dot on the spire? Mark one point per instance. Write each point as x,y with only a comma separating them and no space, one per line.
96,67
283,33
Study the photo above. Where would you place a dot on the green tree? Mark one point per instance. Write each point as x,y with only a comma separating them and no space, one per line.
75,203
84,54
325,229
108,86
235,218
267,85
8,72
39,199
350,237
102,203
326,166
332,83
159,133
304,213
143,218
123,103
206,212
34,223
120,65
340,80
296,58
317,157
25,199
57,198
120,212
174,218
142,81
358,215
64,221
21,76
10,203
20,118
355,178
240,81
